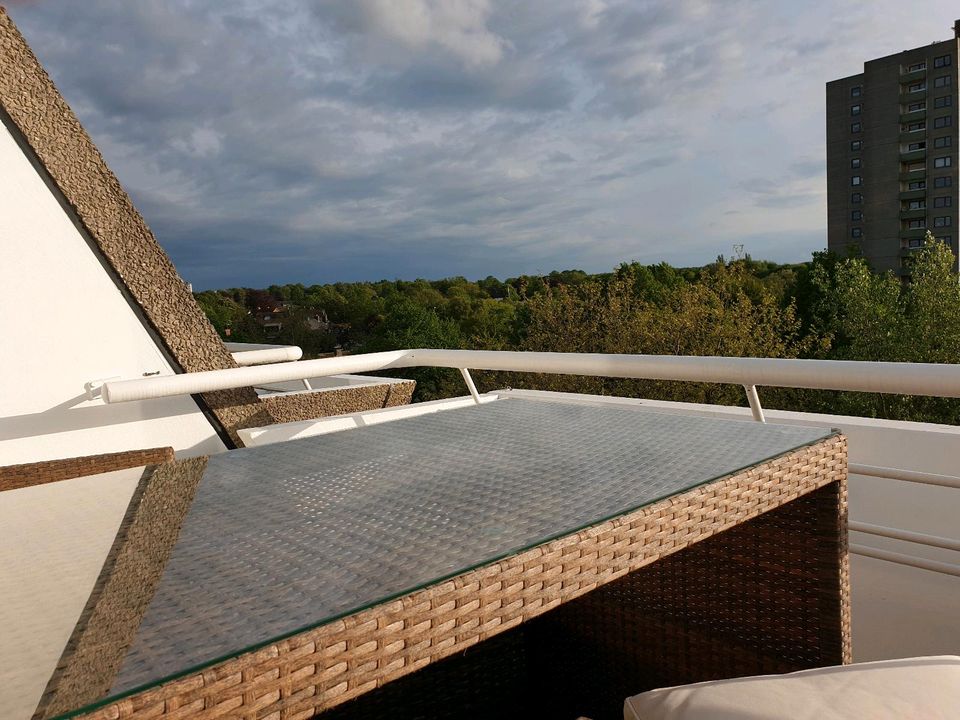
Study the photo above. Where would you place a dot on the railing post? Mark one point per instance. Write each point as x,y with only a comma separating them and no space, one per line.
470,386
754,399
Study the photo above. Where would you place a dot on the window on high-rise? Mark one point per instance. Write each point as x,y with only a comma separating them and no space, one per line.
941,102
942,81
917,66
856,144
921,125
856,232
942,162
942,221
856,198
855,163
941,122
856,91
913,107
856,215
917,185
942,142
916,146
856,127
945,201
942,182
856,181
941,61
916,224
855,110
917,86
917,205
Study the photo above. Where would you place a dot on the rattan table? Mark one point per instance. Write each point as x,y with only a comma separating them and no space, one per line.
474,562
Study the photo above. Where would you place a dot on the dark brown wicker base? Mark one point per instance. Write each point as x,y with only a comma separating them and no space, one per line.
759,598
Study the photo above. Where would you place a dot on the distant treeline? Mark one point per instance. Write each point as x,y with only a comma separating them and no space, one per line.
830,308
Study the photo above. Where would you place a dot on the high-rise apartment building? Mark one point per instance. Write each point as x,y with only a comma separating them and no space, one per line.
892,162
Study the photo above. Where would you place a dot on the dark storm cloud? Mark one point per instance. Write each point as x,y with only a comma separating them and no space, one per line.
286,141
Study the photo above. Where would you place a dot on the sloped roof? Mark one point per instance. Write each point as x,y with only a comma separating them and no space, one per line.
65,156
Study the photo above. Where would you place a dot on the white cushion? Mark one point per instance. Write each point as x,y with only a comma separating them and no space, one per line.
926,688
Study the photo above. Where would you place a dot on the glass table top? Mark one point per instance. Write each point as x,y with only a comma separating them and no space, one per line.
148,574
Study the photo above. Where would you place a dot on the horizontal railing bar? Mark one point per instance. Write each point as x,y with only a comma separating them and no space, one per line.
913,476
940,380
211,380
264,356
907,535
901,559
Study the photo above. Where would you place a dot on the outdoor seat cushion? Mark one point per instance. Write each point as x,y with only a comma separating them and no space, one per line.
926,688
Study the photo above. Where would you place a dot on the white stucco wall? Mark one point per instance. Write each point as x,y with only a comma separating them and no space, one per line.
63,322
55,540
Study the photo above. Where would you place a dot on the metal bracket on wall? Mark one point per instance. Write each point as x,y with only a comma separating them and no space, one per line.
93,387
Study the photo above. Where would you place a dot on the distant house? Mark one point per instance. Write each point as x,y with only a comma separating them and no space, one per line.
271,322
270,314
318,321
274,316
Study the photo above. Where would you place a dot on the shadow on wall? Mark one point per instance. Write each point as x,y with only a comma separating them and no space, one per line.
74,415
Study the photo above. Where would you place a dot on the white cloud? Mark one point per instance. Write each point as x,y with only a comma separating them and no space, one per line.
202,141
459,27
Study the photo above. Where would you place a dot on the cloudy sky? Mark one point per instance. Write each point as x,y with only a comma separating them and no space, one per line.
280,141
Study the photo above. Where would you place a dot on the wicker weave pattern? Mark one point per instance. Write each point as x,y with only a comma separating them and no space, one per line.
326,666
38,473
758,598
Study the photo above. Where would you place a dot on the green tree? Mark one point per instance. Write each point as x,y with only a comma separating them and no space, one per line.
876,316
640,312
832,308
407,324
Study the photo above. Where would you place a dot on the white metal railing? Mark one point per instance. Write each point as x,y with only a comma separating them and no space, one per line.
909,560
906,475
906,535
939,380
246,354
